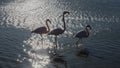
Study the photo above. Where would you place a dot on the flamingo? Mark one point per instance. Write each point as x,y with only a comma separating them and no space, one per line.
42,30
59,31
83,34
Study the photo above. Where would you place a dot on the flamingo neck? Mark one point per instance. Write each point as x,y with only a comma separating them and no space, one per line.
47,26
86,29
63,19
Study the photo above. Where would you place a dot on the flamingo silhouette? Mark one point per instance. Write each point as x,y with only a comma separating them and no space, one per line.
84,33
59,31
42,30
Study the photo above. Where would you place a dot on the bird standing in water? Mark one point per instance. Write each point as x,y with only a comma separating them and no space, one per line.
59,31
42,30
83,34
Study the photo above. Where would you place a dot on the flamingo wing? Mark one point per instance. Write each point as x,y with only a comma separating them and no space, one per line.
56,31
81,34
40,30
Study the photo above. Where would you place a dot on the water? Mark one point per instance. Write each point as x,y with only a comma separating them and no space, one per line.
21,49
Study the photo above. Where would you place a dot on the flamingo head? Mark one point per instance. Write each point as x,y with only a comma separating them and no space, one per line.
66,12
88,26
48,20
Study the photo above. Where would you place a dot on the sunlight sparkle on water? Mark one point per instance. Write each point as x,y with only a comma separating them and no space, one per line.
26,15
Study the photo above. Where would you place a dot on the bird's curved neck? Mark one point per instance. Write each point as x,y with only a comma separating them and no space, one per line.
86,29
47,26
63,19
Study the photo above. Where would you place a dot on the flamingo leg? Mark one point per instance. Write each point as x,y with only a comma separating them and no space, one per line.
41,39
77,42
55,43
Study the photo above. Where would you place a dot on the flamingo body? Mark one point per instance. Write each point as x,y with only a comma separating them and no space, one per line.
56,32
41,30
82,34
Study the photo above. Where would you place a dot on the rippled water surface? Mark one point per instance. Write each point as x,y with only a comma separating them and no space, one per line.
21,49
